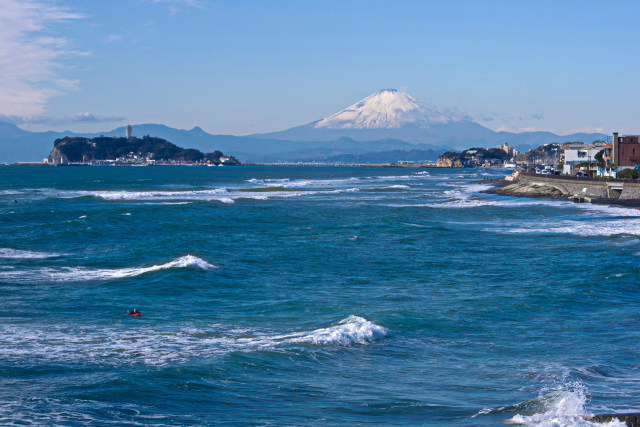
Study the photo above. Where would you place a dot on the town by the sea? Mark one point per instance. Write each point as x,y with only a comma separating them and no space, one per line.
310,295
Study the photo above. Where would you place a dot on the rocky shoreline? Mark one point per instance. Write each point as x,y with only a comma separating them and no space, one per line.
610,192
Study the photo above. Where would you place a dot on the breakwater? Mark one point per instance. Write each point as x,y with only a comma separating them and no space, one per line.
559,186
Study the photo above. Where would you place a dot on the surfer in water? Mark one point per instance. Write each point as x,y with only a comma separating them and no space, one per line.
133,312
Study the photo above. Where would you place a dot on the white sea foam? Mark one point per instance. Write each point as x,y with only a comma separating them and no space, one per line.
167,203
289,188
466,202
302,183
608,227
141,343
462,198
397,186
268,180
178,197
562,406
211,194
352,330
336,182
9,253
78,274
19,410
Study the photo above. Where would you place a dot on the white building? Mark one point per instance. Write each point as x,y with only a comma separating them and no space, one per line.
575,154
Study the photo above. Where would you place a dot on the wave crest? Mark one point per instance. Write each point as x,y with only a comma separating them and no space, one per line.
352,330
9,253
189,261
80,274
109,344
563,405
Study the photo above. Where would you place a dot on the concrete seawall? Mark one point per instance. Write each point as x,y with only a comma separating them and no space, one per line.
529,185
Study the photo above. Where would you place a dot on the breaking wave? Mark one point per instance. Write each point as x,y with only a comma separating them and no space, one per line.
366,181
564,405
302,183
79,274
114,346
352,330
178,197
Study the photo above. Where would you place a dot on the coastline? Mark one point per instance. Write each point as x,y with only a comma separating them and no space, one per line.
625,193
280,164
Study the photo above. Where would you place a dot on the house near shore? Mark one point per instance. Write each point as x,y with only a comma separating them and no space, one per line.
578,155
623,152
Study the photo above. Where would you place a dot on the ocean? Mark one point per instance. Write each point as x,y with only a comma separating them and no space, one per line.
310,295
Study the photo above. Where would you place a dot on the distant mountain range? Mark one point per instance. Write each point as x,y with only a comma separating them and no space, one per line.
389,121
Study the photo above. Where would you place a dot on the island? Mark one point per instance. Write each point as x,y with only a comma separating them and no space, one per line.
133,151
476,157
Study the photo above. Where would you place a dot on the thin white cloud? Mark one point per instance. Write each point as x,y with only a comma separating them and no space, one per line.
49,120
506,128
112,38
587,129
30,56
174,5
191,3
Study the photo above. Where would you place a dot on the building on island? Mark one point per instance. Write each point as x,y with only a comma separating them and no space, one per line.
511,152
128,131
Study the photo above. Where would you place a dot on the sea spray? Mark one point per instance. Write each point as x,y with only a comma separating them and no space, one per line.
563,405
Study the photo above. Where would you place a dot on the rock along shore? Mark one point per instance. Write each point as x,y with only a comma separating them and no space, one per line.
594,190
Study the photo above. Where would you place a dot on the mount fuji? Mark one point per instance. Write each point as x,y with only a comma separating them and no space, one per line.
390,114
387,109
405,122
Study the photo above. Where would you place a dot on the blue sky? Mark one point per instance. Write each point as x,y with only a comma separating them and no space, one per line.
243,67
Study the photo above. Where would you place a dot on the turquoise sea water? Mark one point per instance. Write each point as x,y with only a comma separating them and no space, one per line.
301,295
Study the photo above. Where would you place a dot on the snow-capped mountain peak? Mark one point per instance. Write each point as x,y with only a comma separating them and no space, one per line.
387,109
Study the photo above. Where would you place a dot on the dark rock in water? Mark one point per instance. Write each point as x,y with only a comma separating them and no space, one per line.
528,190
632,420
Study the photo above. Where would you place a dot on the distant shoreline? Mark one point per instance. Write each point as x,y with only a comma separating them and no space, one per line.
283,164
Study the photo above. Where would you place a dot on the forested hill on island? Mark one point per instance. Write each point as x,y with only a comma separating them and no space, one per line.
145,150
473,157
